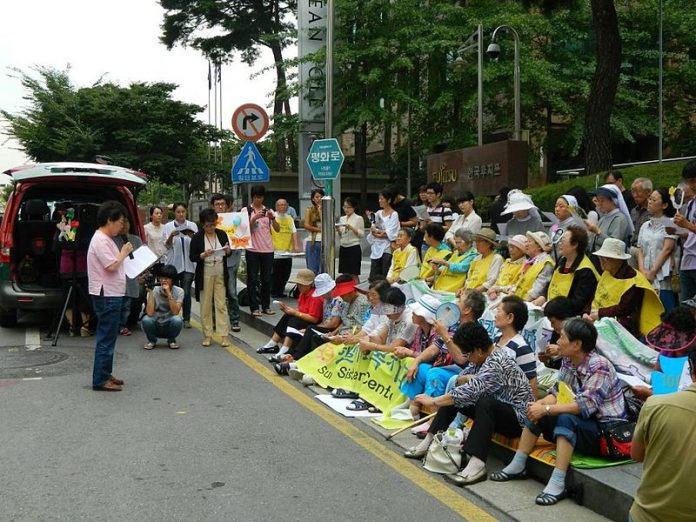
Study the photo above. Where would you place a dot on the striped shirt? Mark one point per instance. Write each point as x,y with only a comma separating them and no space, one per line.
500,378
518,349
440,214
597,389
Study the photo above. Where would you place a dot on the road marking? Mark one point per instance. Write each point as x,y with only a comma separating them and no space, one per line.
32,339
423,480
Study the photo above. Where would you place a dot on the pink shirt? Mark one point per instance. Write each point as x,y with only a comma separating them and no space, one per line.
261,238
102,253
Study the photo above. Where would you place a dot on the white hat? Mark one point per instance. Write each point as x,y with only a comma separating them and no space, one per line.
519,241
613,249
425,306
518,200
323,284
540,238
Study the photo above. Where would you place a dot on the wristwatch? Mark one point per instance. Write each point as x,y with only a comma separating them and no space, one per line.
548,409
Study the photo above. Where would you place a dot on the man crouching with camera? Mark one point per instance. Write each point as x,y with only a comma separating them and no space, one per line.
163,304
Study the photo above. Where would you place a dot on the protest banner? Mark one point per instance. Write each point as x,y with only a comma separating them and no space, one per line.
376,377
236,226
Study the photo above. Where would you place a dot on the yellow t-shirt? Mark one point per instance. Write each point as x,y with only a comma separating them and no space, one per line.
282,240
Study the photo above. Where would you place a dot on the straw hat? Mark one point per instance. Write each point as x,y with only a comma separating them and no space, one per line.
542,239
486,234
518,200
304,277
613,249
323,284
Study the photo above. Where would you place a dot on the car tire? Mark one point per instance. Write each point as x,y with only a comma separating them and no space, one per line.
8,318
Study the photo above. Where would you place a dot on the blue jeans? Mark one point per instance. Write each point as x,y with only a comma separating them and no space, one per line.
125,312
169,330
185,281
108,312
313,256
687,284
669,299
429,380
232,299
583,434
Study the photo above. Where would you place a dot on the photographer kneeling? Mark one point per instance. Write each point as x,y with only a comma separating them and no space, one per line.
163,304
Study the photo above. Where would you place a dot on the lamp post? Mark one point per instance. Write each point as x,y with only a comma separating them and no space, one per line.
494,51
474,43
660,116
328,217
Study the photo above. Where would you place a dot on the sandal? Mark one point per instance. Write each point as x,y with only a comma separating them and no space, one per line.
358,405
281,368
256,313
501,476
340,393
206,341
547,499
268,311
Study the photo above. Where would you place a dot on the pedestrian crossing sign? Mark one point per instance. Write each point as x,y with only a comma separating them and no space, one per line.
250,166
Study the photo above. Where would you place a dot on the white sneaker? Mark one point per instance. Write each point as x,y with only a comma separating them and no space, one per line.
307,380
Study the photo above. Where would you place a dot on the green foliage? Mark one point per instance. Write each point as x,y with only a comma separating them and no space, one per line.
139,126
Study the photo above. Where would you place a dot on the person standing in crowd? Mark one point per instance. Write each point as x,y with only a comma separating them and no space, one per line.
209,247
222,204
404,207
615,177
154,232
382,232
614,219
598,401
405,254
350,229
687,270
641,189
495,210
132,285
485,269
525,216
107,285
419,230
259,258
177,236
162,307
655,247
312,224
664,437
467,220
284,240
437,212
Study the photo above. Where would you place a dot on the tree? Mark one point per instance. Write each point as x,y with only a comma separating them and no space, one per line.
139,126
220,29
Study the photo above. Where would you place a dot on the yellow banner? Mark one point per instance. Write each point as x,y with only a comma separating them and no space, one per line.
376,377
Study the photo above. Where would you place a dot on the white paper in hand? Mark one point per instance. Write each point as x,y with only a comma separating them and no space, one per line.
143,258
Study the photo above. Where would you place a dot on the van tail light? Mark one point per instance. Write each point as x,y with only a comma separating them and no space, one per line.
5,253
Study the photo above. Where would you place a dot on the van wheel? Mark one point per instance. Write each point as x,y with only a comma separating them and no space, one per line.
8,318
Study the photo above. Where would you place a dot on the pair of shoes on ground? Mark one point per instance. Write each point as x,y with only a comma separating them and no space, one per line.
224,342
543,499
460,479
112,385
259,313
125,331
173,345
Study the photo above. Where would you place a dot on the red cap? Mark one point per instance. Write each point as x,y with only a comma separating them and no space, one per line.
343,288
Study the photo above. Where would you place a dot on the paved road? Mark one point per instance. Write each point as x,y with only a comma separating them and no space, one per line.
197,434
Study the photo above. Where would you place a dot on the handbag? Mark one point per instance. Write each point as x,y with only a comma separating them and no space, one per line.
615,439
442,458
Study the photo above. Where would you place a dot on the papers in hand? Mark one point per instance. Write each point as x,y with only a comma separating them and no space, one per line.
632,380
219,252
421,213
293,331
320,334
143,258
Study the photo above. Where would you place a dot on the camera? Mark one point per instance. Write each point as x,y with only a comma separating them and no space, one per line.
493,51
149,280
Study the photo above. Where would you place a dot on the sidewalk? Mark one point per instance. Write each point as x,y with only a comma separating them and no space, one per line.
608,492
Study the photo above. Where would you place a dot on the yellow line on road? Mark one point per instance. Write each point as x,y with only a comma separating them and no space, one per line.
423,480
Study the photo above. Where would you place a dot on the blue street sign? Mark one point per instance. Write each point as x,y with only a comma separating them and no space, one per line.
250,166
325,159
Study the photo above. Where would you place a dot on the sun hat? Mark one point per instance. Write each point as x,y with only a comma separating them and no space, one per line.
613,249
519,241
323,284
666,339
425,306
540,238
486,234
343,288
517,200
304,277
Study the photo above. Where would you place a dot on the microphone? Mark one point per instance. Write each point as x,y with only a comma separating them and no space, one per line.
124,238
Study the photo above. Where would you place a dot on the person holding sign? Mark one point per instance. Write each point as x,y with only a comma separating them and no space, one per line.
574,422
107,286
209,247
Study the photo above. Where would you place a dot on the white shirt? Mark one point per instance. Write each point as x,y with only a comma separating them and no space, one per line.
391,225
472,222
348,237
178,252
155,239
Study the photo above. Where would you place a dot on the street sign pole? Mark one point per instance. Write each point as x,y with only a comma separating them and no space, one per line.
328,215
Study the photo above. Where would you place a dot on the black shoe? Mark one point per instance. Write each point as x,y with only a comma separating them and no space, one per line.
281,368
236,327
268,349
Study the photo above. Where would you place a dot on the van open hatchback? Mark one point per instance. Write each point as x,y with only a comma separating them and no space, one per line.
33,236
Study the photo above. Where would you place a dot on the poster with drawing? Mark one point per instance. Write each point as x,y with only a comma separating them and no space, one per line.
236,226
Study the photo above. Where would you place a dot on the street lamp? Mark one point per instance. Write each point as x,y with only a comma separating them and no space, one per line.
493,51
473,43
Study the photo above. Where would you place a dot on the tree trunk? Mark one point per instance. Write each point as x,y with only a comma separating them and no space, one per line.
597,133
361,162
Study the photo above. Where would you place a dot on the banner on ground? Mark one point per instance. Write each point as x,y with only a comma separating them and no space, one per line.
376,377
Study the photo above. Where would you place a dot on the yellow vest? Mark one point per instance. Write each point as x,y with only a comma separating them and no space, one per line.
510,273
452,281
531,275
282,240
432,253
399,259
610,290
478,273
560,283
